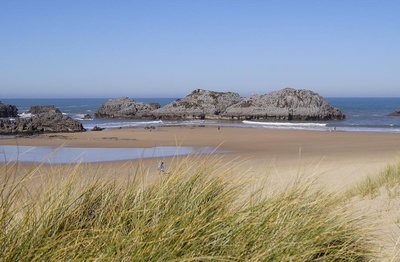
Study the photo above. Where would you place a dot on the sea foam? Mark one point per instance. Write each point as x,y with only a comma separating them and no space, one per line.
287,125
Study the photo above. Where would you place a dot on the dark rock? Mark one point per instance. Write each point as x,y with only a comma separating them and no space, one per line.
44,109
87,117
286,104
200,104
97,128
125,107
395,113
8,110
46,122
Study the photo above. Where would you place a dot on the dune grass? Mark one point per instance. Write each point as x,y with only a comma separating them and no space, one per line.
388,180
377,198
200,211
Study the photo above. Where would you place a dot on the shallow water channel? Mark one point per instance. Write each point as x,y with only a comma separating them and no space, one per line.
62,155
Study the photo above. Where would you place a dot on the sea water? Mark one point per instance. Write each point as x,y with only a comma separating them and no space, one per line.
63,155
362,114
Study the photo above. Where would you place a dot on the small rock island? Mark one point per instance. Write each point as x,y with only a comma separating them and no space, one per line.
283,105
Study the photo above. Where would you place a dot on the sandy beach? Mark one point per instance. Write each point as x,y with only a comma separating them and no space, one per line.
335,158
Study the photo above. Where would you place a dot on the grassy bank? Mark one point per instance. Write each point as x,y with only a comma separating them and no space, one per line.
198,212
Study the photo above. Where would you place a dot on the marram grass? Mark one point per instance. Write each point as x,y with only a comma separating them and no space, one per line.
198,212
387,180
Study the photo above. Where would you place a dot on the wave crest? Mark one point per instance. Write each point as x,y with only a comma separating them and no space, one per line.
287,125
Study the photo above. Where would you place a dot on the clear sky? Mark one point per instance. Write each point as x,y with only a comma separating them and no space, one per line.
97,48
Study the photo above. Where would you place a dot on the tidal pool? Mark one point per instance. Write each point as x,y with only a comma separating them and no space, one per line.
61,155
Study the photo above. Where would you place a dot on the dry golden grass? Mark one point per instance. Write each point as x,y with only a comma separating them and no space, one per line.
199,211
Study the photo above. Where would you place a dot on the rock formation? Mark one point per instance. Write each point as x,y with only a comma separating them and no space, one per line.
395,113
43,109
285,104
48,120
200,104
125,107
8,110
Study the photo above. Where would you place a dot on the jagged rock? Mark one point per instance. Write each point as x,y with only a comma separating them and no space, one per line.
43,109
45,122
200,104
124,107
8,110
285,104
395,113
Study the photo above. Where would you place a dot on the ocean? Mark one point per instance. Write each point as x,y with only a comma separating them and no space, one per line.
362,114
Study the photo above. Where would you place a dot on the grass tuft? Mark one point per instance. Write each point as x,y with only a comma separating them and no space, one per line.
371,186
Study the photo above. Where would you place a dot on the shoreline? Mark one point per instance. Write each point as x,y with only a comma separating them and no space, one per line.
234,139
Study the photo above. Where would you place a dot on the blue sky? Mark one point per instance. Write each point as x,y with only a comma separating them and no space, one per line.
166,48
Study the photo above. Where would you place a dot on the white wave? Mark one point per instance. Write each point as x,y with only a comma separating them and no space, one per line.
81,117
198,122
25,115
286,124
125,124
148,122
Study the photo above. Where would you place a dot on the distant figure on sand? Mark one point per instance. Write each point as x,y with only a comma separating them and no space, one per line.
161,166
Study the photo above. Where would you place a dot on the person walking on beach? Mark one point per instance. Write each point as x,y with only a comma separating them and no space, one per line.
161,166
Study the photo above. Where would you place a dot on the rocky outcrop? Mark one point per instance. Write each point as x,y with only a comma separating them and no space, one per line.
285,104
125,107
200,104
8,110
395,113
50,121
43,109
